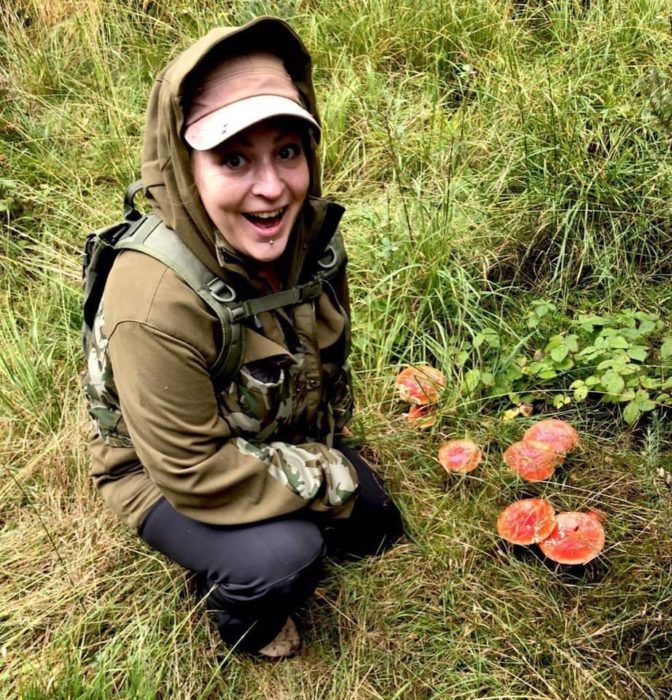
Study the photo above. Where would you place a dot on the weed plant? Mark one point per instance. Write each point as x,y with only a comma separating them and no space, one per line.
496,158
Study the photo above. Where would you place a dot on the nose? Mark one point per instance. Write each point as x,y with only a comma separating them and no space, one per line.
268,183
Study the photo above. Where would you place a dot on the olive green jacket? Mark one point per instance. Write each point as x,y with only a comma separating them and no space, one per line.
260,446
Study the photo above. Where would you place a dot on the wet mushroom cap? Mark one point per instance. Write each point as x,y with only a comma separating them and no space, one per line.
460,455
531,460
556,433
420,385
527,521
576,539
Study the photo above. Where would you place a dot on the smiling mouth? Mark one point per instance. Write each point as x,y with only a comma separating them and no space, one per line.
266,219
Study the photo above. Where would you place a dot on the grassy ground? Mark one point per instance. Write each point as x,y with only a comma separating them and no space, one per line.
491,155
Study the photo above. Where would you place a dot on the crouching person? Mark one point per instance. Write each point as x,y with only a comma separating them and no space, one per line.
217,354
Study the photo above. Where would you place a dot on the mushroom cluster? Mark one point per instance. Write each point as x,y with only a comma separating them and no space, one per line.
543,447
565,538
421,387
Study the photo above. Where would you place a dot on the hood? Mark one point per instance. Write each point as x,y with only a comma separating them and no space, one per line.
166,168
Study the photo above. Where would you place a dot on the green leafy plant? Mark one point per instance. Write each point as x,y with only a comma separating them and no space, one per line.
620,358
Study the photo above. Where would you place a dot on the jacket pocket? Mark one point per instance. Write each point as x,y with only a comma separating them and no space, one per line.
255,402
260,391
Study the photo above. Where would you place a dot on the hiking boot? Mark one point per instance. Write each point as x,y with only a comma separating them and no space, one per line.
285,644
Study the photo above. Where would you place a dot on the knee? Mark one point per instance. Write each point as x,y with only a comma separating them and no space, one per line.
283,565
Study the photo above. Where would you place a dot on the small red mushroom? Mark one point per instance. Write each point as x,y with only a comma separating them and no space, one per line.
421,417
576,539
533,461
556,433
527,521
460,455
420,385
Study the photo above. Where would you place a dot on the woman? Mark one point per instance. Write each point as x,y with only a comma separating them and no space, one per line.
239,482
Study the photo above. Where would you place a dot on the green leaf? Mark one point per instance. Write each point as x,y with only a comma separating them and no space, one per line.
566,364
560,400
571,341
618,341
646,327
645,316
647,382
638,352
643,401
581,392
487,378
472,379
613,382
593,320
559,353
666,348
631,333
554,342
631,413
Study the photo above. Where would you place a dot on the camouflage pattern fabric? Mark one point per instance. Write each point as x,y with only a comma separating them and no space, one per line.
306,472
99,387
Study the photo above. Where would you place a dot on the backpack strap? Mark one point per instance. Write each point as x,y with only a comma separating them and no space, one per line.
159,241
152,237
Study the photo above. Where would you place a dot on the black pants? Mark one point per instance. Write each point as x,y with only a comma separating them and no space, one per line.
254,575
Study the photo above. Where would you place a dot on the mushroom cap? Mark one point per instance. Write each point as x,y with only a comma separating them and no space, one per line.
576,539
531,460
421,417
460,455
526,521
420,385
556,433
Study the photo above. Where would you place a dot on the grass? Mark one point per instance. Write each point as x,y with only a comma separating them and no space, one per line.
490,154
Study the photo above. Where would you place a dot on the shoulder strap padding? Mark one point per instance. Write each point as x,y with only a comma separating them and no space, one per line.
159,241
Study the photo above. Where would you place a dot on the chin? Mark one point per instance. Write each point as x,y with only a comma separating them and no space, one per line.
265,253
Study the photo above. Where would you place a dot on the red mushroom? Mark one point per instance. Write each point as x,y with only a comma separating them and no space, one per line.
533,461
420,385
527,521
576,539
421,417
556,433
460,455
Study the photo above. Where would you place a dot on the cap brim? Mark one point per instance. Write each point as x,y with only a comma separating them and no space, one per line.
227,121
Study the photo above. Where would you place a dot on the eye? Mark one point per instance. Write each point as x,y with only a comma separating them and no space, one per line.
233,161
289,151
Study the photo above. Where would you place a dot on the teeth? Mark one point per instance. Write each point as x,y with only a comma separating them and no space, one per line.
267,214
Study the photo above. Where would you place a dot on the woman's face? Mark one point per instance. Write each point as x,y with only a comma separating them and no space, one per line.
253,186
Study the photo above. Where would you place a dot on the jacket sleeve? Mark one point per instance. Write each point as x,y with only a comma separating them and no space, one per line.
171,411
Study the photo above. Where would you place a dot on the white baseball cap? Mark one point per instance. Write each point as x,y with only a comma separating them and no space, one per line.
237,93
